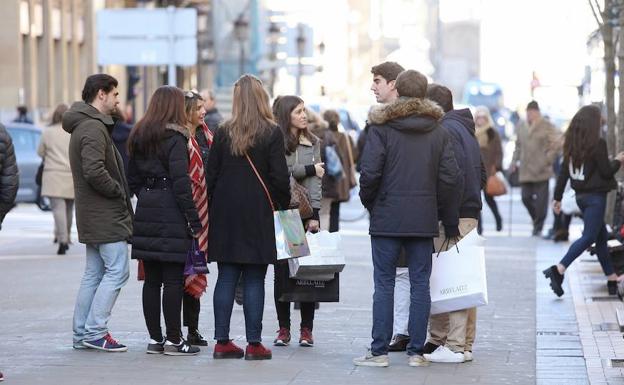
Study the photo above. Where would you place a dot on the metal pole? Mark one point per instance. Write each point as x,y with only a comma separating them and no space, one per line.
241,64
171,72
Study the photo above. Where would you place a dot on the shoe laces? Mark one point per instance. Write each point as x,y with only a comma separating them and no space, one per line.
306,334
110,339
283,333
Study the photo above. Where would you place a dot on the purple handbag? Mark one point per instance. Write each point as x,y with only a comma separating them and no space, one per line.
195,260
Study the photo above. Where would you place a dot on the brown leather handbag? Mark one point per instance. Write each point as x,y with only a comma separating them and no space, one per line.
495,186
299,199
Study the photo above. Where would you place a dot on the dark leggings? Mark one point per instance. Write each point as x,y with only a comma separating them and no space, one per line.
169,276
494,207
190,312
283,308
334,217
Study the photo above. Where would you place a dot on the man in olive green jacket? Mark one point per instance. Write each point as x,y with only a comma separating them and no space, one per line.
103,211
537,146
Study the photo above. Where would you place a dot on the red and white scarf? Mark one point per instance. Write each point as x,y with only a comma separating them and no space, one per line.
196,284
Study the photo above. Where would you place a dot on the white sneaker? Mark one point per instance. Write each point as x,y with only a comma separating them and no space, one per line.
467,356
446,355
417,360
370,360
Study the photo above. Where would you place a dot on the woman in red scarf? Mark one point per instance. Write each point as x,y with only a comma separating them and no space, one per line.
198,145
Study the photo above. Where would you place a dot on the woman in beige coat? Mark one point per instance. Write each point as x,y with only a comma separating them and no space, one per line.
57,182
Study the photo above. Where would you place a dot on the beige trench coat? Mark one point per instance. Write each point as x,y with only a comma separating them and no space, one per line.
57,181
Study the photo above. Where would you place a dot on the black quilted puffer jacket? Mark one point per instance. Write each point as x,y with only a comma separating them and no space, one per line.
9,176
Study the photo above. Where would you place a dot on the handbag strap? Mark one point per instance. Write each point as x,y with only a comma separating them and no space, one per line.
266,190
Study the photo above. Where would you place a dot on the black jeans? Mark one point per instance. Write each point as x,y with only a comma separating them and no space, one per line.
535,197
283,308
334,217
169,276
190,312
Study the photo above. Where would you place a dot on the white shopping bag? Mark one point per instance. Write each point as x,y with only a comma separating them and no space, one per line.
458,278
568,201
325,259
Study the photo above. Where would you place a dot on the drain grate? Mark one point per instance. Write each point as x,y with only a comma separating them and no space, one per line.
603,298
616,363
555,333
606,327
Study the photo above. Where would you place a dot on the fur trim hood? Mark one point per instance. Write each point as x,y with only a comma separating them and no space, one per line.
177,128
403,108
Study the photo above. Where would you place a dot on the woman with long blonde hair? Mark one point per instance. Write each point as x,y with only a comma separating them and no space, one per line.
247,178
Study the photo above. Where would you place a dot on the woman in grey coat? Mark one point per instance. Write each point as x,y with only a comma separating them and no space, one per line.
303,157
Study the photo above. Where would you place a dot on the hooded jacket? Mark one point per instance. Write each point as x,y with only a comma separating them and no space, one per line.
9,176
408,171
461,128
103,208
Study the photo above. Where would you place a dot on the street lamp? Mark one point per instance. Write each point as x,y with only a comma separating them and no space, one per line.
274,34
241,33
320,68
301,44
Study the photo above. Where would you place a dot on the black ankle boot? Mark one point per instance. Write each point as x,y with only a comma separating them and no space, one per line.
612,287
62,248
194,338
556,279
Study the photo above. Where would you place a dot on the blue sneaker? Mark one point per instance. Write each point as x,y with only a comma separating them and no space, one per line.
106,343
79,346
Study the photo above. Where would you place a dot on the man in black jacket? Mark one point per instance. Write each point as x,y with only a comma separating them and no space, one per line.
9,175
408,171
450,334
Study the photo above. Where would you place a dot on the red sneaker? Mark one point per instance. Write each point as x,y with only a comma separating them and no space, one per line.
257,352
228,350
306,338
283,337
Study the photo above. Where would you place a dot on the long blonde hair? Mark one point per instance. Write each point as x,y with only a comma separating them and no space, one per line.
252,117
484,111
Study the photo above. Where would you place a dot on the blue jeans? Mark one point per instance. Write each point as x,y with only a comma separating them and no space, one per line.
106,272
594,230
253,299
385,255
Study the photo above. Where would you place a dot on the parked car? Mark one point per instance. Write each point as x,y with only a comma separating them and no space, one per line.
26,140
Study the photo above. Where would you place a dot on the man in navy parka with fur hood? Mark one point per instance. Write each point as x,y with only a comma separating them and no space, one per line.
408,172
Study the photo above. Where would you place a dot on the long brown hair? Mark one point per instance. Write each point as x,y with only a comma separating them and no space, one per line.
283,106
251,114
165,106
582,136
57,115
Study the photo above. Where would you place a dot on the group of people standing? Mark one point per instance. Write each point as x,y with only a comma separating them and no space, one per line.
197,188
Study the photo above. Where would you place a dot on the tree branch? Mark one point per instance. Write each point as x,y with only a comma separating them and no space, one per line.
591,5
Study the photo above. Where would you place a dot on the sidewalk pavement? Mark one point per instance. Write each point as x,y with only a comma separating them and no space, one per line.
39,290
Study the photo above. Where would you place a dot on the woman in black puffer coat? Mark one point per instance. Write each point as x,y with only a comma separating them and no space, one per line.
166,218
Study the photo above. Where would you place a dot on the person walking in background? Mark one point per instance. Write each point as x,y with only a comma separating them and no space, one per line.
342,186
166,219
451,335
212,118
22,115
120,134
198,146
408,172
57,181
303,157
586,164
537,145
492,155
103,211
246,177
9,175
